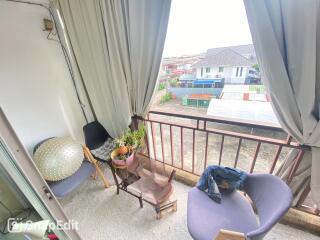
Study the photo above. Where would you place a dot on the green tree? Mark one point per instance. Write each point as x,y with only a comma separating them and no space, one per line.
166,97
161,86
256,67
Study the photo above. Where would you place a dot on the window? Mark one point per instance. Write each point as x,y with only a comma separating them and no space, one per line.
207,70
237,72
201,72
220,69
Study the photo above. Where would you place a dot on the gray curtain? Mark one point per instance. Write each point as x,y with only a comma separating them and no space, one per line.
302,175
118,47
285,34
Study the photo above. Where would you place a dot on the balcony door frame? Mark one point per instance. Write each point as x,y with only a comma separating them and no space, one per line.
18,164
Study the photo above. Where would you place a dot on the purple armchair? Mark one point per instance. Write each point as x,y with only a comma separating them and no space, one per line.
234,218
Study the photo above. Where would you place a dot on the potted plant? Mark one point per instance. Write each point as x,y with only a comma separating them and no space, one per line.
126,146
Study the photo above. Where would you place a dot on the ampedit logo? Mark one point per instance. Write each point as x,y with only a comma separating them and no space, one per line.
30,225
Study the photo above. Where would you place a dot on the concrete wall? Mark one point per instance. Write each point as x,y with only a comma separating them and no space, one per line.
36,90
181,92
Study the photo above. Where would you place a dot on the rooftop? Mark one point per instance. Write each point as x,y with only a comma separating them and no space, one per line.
247,49
182,59
226,57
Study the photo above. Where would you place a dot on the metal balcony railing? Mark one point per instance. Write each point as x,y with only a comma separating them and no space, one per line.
191,142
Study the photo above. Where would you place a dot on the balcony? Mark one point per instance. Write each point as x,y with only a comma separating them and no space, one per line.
104,215
188,144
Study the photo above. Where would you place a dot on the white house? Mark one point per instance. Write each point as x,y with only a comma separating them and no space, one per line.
226,63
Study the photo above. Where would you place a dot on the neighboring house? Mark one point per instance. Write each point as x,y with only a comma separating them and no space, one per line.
233,64
180,65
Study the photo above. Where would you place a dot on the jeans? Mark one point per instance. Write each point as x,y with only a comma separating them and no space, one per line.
226,178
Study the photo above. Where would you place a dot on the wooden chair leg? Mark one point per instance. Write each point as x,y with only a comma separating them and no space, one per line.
90,158
94,175
229,235
159,215
175,206
103,178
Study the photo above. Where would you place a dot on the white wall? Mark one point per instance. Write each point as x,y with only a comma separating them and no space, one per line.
227,74
198,73
36,91
240,79
214,71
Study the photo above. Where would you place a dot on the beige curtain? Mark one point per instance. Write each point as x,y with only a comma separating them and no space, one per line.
118,47
286,35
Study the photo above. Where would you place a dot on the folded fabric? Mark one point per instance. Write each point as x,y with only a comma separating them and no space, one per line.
215,177
103,152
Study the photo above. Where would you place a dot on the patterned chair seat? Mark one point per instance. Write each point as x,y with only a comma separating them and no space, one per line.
103,152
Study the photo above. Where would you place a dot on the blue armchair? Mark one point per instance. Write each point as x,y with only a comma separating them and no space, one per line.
234,218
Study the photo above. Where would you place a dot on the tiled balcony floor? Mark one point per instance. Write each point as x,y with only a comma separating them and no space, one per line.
104,215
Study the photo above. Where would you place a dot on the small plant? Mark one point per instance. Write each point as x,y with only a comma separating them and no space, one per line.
130,140
174,82
161,86
166,97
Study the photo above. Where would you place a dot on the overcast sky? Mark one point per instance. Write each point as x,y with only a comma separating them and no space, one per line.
196,25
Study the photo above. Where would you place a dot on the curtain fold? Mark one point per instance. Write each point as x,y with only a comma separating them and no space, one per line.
118,46
286,38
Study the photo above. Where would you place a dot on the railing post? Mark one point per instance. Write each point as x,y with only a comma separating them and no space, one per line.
153,141
275,159
146,138
304,194
237,154
171,144
255,157
162,147
221,149
193,146
181,147
206,151
295,166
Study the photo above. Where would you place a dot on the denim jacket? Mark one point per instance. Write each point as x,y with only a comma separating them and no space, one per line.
215,177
